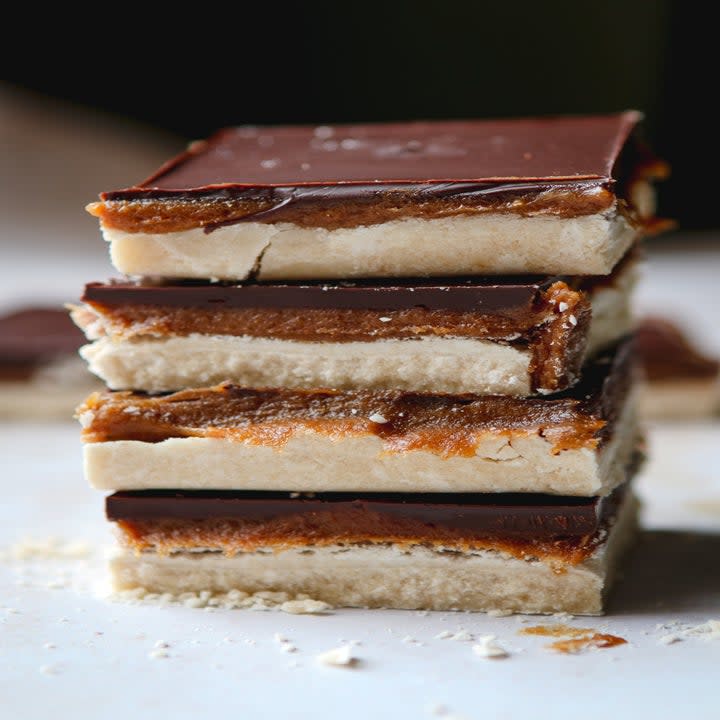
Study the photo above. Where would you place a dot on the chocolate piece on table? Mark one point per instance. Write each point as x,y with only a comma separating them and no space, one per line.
41,374
680,382
545,195
504,335
228,437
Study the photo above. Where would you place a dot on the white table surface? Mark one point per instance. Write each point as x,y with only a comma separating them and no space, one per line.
68,652
100,667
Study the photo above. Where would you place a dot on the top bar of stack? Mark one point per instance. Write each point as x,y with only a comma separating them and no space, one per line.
555,196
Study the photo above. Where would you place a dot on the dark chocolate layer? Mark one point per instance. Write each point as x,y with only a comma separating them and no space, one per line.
479,294
516,515
443,157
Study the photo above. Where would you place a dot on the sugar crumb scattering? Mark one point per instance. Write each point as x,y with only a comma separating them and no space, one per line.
709,630
233,599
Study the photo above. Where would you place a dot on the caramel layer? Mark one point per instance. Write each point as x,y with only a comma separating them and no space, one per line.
443,424
174,214
233,536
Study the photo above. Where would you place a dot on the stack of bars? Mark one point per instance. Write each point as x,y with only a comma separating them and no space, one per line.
379,365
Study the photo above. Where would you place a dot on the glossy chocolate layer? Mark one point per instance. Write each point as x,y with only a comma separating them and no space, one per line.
443,424
518,515
354,175
667,354
479,294
429,153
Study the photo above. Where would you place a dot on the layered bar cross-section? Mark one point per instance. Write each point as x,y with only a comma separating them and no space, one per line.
510,336
528,552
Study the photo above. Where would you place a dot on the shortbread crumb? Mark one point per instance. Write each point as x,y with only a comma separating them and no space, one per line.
487,647
337,657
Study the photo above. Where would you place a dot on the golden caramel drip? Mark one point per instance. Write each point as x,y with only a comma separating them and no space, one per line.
574,639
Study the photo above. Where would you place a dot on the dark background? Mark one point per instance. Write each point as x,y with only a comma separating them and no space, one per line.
342,61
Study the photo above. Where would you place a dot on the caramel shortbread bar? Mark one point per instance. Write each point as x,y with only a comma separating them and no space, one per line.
680,382
516,336
545,195
524,553
229,437
41,374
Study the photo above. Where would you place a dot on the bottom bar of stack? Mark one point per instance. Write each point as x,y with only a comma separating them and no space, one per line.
532,554
376,499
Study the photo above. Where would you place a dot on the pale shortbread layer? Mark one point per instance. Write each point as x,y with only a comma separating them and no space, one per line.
682,399
430,364
312,462
439,365
488,243
391,576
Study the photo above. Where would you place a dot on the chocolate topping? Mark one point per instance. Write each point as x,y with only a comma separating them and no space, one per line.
516,515
441,157
37,334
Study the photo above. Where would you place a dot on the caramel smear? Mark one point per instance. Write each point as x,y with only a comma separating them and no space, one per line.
574,640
